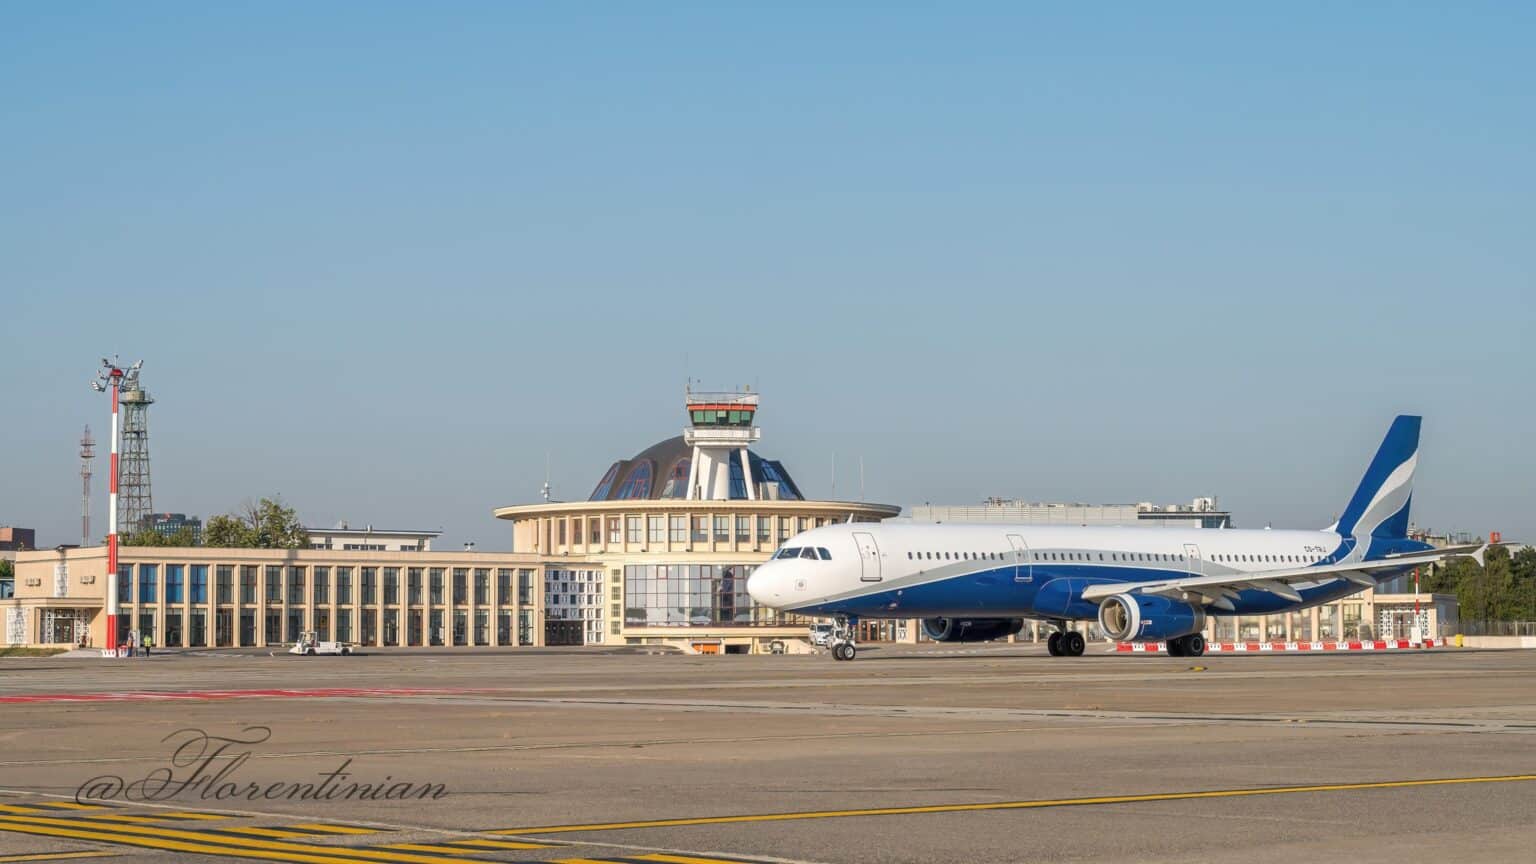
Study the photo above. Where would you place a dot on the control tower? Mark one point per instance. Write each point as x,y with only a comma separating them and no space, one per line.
720,430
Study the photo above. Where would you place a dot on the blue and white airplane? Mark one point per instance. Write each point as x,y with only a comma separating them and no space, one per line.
972,583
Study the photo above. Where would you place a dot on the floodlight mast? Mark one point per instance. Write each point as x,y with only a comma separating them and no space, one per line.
111,378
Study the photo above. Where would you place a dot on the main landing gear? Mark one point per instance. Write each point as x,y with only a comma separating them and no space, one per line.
1192,645
842,638
1066,643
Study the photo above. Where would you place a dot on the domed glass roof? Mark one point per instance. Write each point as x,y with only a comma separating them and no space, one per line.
661,471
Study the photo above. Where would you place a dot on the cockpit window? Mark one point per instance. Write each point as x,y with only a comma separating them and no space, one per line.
808,552
792,552
825,555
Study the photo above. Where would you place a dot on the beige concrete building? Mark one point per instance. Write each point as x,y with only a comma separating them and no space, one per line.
209,597
668,538
660,553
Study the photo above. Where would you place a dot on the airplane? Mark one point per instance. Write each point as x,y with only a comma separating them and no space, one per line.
975,583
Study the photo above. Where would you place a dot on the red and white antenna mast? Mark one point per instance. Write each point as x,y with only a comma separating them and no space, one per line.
111,379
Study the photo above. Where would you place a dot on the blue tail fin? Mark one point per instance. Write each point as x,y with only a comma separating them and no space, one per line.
1379,508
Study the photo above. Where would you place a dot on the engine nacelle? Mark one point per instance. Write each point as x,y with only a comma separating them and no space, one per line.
971,629
1148,618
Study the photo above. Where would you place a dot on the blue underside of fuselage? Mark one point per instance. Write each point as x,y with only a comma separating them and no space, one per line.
1052,592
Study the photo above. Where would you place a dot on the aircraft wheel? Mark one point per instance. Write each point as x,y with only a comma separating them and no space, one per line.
1053,644
1073,644
1194,645
1175,647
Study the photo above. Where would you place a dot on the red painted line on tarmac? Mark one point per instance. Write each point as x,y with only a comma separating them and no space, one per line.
204,695
1260,647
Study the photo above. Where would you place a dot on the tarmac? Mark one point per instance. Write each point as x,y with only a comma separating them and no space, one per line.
965,753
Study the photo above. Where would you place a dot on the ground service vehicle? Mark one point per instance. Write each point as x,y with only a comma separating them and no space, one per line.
309,645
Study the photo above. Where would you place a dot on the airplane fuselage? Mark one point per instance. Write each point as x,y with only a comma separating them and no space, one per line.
1031,571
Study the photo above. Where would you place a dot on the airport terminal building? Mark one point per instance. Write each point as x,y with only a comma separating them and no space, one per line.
658,554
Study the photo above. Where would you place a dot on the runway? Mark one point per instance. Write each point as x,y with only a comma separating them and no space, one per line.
934,754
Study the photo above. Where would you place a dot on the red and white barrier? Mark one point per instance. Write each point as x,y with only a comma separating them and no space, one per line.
1267,647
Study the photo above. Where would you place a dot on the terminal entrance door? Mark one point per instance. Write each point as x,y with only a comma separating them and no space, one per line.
561,632
224,628
869,556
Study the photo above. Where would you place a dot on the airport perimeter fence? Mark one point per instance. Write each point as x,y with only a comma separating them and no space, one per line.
1470,627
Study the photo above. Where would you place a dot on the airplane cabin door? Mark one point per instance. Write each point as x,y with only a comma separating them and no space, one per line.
869,556
1192,558
1021,565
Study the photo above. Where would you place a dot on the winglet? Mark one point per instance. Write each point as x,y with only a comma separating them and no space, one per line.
1479,554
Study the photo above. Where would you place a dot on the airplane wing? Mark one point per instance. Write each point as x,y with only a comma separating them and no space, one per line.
1220,590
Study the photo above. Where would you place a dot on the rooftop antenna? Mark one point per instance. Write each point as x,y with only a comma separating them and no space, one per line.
546,489
87,453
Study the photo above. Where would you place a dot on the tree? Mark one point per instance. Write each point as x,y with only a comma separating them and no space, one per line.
7,572
182,536
1523,568
267,524
228,531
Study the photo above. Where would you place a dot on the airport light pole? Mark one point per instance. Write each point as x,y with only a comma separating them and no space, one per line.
111,379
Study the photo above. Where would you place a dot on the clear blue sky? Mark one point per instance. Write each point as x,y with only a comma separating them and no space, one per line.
380,258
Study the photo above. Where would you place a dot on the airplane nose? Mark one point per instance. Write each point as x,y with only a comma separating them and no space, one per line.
766,584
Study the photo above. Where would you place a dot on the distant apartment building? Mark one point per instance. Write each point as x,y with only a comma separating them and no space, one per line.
17,539
168,524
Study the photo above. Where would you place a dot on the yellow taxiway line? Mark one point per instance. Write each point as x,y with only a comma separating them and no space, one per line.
175,840
1013,805
54,857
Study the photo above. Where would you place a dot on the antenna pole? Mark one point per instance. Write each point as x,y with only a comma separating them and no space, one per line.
87,453
111,379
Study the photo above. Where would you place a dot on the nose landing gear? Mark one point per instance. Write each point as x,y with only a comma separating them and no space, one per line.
842,638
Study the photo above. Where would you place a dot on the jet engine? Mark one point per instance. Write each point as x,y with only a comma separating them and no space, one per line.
970,629
1148,618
